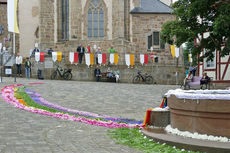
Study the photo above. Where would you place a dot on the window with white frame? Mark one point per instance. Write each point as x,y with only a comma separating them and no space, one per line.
154,41
211,64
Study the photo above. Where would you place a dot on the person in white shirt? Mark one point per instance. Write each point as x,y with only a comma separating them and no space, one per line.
19,65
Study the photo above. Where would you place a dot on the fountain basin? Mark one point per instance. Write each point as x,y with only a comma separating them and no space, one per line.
204,116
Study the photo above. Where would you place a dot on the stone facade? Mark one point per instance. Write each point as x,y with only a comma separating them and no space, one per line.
127,32
3,23
148,24
6,38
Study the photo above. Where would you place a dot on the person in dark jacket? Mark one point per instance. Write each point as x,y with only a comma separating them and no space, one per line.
81,51
204,80
27,67
97,73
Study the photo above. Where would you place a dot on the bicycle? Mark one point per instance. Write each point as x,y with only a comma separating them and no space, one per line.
67,75
143,78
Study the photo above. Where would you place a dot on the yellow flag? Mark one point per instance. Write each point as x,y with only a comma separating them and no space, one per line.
190,58
59,56
115,58
173,50
91,59
132,59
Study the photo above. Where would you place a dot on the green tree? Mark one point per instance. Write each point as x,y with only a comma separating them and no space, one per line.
196,17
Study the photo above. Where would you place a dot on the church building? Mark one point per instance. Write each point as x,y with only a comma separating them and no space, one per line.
131,26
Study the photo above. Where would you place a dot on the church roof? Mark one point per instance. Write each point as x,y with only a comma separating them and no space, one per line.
152,7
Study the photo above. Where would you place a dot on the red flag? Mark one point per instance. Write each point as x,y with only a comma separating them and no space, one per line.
146,58
42,56
147,117
104,58
75,57
152,56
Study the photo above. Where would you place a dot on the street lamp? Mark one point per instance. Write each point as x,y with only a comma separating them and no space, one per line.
1,30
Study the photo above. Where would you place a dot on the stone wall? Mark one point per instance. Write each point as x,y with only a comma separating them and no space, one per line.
81,72
3,21
143,26
46,28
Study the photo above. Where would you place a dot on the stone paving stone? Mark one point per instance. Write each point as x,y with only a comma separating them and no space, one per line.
26,132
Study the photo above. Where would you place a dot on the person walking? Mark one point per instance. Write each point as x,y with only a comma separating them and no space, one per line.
81,51
19,65
27,67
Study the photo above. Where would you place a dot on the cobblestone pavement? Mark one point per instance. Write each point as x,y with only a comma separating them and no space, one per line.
22,131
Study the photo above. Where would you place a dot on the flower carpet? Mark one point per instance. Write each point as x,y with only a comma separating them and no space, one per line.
30,101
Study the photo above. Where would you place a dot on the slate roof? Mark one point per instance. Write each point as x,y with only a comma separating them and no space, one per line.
152,7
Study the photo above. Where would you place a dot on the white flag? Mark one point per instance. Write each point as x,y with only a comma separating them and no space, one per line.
87,59
100,59
142,58
12,16
0,47
177,52
127,59
111,59
71,57
54,56
37,56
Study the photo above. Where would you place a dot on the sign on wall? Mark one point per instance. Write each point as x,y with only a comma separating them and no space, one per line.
48,64
8,71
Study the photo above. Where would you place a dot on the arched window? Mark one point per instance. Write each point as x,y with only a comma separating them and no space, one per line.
95,19
65,19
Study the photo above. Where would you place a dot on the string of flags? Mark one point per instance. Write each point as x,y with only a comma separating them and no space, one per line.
102,58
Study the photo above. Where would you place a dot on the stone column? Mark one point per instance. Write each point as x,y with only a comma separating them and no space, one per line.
136,3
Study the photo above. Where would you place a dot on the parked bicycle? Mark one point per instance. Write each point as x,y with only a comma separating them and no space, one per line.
143,78
65,74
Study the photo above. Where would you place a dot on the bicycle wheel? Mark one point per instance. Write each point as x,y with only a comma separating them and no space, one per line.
67,76
53,75
136,79
149,80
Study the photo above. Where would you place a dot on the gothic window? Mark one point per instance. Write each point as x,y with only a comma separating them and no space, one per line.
155,41
65,19
95,19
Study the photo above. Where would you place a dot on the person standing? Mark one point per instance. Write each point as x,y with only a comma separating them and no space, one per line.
27,67
112,50
19,65
35,49
81,51
96,54
97,73
89,50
